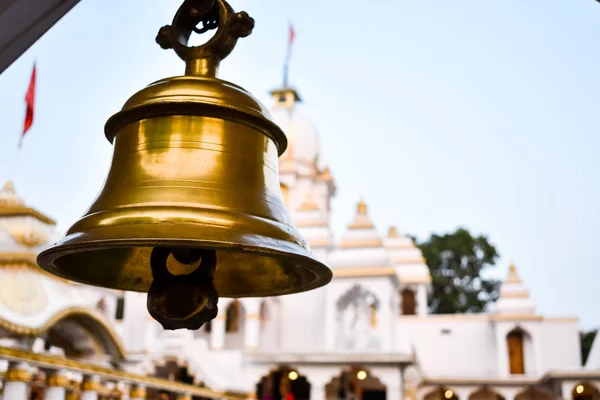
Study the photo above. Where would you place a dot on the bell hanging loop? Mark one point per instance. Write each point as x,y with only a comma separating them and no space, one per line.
204,60
192,207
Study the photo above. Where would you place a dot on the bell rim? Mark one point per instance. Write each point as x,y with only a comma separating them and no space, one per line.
323,274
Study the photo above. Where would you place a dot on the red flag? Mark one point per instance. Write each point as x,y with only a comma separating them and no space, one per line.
30,101
292,35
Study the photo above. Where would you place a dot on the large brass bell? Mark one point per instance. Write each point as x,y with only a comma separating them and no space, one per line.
192,207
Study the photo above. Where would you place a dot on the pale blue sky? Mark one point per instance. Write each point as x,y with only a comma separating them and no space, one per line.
482,114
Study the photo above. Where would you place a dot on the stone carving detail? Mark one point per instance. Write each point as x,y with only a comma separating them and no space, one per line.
25,231
22,290
357,320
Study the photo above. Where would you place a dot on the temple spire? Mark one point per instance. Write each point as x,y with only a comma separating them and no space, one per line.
286,97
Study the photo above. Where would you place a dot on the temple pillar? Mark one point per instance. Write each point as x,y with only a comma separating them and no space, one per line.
217,331
90,387
421,300
73,393
317,392
402,393
393,393
184,397
116,393
137,392
251,323
508,393
56,385
252,332
16,381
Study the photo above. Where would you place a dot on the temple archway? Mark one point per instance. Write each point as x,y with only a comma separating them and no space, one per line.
355,382
441,393
283,383
520,352
585,391
533,394
408,302
485,394
83,334
235,317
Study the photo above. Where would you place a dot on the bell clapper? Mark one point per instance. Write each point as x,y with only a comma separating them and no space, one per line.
182,294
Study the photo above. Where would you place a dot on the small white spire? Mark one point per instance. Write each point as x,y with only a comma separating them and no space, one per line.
514,296
361,218
8,197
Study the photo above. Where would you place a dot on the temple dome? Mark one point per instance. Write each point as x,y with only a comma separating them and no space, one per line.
303,138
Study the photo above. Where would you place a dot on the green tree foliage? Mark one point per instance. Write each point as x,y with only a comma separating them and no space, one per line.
456,262
587,339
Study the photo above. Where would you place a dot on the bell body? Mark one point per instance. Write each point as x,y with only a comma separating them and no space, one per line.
194,166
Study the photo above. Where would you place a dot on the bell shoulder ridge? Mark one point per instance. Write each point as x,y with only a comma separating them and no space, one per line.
196,95
197,89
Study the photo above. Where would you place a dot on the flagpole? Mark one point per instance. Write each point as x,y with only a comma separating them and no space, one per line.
285,72
288,56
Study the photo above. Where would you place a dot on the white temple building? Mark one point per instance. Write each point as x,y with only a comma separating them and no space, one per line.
367,335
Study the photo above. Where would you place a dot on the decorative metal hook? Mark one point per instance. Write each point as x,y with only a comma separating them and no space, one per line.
210,14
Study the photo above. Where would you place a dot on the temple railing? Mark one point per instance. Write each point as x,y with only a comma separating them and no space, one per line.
33,376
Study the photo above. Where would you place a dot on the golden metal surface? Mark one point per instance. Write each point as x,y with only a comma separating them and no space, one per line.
46,361
190,181
137,392
194,177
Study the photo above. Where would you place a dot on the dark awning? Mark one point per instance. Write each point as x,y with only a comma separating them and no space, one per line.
23,22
